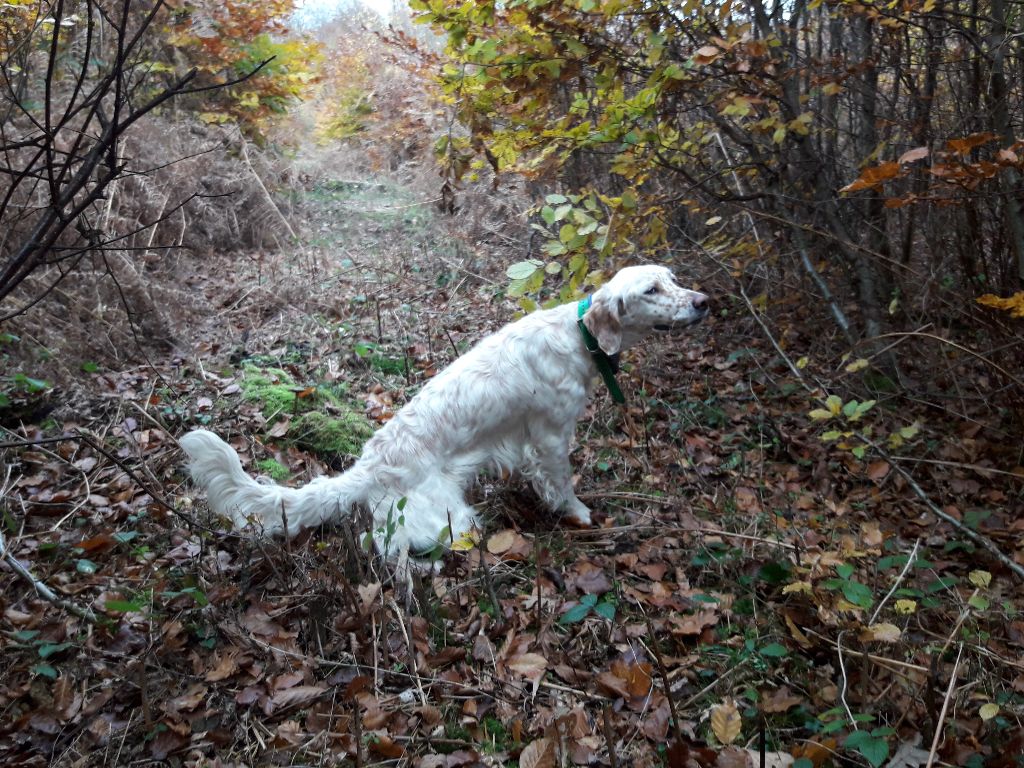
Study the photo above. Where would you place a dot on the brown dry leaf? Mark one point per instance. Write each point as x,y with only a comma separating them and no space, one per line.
590,578
877,470
871,534
280,429
747,501
297,696
368,593
779,700
817,753
637,677
167,742
385,747
802,640
227,665
501,541
538,754
913,154
883,632
735,757
693,624
726,722
188,701
529,665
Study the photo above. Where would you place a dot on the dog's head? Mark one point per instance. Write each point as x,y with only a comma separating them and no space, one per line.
637,301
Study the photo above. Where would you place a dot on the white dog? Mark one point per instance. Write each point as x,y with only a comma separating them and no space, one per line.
509,403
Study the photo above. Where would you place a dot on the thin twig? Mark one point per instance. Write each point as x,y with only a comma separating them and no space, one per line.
909,564
945,708
970,533
40,587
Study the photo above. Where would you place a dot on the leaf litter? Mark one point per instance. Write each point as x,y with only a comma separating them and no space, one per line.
756,576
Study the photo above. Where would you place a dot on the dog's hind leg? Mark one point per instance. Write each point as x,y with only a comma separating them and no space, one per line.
433,514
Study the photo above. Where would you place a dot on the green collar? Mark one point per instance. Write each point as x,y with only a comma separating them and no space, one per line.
605,365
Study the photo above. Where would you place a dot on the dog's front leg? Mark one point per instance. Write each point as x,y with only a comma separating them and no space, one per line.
550,472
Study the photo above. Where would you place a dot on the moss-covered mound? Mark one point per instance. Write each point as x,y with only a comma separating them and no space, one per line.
322,421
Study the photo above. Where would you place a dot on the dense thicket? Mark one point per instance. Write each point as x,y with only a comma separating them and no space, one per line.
869,148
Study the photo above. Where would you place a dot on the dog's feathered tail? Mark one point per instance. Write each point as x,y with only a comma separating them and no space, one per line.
272,508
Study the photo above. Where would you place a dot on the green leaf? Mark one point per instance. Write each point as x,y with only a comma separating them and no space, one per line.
858,594
576,613
128,606
90,367
607,610
861,409
86,566
556,199
523,270
45,670
48,649
845,570
567,233
774,650
548,214
874,749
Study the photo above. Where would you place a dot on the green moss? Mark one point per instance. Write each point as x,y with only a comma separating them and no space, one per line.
322,421
273,388
274,469
331,435
393,366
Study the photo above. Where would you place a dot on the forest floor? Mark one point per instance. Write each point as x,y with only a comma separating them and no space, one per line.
748,587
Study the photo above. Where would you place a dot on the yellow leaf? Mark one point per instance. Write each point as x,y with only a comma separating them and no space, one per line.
905,607
1012,304
834,404
466,541
988,711
980,579
802,363
819,414
857,365
726,722
798,586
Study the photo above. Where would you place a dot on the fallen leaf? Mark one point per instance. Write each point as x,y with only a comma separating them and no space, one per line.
297,696
538,754
726,722
883,632
529,665
779,700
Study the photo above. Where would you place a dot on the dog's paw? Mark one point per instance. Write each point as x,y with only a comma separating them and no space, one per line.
578,514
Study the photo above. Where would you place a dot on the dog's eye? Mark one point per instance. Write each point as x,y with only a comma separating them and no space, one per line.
652,290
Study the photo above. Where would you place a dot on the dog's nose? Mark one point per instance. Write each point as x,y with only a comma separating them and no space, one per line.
700,302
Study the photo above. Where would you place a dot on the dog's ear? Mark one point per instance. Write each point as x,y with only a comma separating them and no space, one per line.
602,320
